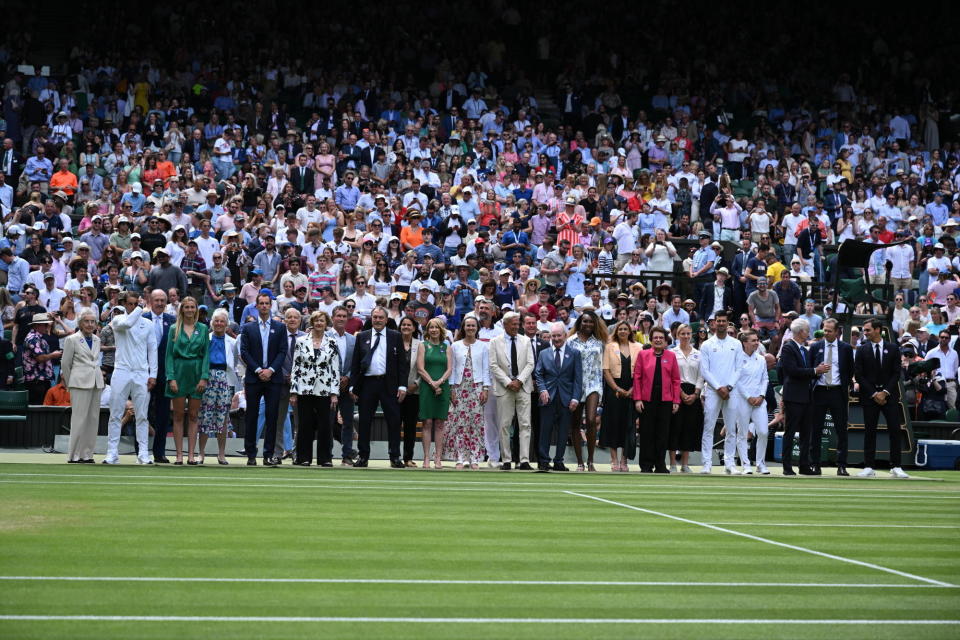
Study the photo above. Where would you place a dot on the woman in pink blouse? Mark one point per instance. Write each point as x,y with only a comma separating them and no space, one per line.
656,393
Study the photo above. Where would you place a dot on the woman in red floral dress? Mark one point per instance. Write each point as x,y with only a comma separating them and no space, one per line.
470,386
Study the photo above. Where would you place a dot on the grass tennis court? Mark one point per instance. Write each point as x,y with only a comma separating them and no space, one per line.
305,553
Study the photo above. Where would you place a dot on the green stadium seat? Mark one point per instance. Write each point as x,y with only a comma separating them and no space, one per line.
13,417
952,415
18,378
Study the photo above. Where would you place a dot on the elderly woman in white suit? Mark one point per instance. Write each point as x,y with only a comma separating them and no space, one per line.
80,366
215,404
314,390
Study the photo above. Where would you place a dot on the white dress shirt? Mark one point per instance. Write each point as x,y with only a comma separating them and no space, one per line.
131,332
832,377
264,326
753,375
378,365
718,362
949,362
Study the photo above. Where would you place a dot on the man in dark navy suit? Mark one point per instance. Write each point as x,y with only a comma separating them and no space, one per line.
378,376
263,348
798,376
159,402
559,377
878,374
831,392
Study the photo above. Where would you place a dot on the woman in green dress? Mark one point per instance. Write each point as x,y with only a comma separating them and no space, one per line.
188,369
434,364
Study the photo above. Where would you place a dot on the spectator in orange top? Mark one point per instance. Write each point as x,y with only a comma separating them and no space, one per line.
57,395
64,180
411,236
165,167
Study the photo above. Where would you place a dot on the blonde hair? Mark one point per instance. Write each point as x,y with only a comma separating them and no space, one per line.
435,322
178,326
316,315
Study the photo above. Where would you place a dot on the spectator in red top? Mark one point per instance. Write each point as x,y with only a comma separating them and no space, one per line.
544,301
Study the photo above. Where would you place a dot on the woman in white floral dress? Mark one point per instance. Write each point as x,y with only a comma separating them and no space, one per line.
470,384
589,337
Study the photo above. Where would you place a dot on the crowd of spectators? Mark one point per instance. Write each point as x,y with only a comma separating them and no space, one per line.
519,164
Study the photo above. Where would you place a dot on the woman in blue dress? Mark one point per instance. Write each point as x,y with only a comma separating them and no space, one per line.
577,271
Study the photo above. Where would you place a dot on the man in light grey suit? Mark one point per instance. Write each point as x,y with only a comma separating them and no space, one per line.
511,363
345,343
559,376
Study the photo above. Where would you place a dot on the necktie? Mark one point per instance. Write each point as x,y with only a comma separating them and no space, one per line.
514,369
369,359
803,354
288,366
876,351
556,359
158,327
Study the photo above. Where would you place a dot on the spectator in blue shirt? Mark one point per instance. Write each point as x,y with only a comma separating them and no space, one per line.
464,290
17,271
134,198
515,241
427,248
347,195
39,169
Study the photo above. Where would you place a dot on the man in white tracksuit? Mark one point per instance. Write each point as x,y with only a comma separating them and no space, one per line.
718,366
134,375
749,404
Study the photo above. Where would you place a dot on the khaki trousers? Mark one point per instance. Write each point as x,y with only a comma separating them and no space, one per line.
84,422
510,403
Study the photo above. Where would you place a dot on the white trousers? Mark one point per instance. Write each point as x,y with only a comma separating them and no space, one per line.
713,407
125,384
491,428
738,441
510,403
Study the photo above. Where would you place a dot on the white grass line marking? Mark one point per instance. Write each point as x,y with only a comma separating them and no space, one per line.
548,583
174,482
858,526
344,476
822,554
275,619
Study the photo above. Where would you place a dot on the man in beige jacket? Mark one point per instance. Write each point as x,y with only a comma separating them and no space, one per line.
511,362
80,367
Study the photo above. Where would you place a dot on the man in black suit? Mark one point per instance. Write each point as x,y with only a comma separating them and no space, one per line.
378,376
301,176
537,344
798,376
11,162
716,293
878,374
832,391
232,303
159,402
263,348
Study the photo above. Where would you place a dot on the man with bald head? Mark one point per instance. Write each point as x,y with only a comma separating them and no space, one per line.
559,378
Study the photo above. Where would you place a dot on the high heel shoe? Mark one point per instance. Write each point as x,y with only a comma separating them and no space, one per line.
590,467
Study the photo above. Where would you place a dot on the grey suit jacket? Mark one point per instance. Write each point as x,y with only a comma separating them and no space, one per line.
567,381
346,358
80,364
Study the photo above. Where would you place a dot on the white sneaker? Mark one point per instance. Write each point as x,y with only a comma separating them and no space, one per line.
867,472
113,461
731,471
897,472
493,465
705,471
673,468
747,471
762,470
685,469
144,461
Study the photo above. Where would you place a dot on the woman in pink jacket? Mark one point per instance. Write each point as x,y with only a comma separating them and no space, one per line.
656,392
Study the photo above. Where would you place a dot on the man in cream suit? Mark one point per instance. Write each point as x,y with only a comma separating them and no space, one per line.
511,361
82,376
133,376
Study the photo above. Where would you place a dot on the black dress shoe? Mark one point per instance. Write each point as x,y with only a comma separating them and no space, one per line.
161,460
361,462
559,466
524,466
179,463
787,471
73,461
505,466
543,467
397,463
842,471
242,452
192,463
276,460
251,462
807,471
301,464
816,471
269,462
663,470
325,464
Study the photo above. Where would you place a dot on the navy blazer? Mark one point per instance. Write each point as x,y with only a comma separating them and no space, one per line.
845,357
875,376
162,344
251,350
568,381
706,300
798,375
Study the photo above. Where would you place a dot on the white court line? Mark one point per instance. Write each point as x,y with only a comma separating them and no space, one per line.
857,526
412,581
173,483
226,477
275,619
822,554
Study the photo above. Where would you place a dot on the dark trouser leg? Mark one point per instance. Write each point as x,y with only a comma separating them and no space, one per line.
253,392
797,423
562,417
324,434
664,411
391,411
410,410
834,401
891,412
271,394
307,416
871,415
646,456
345,410
547,419
160,406
369,398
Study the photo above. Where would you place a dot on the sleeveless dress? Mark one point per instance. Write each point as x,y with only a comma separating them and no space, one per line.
618,428
433,406
465,425
591,357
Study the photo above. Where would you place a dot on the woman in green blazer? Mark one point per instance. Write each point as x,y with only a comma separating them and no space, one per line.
188,369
